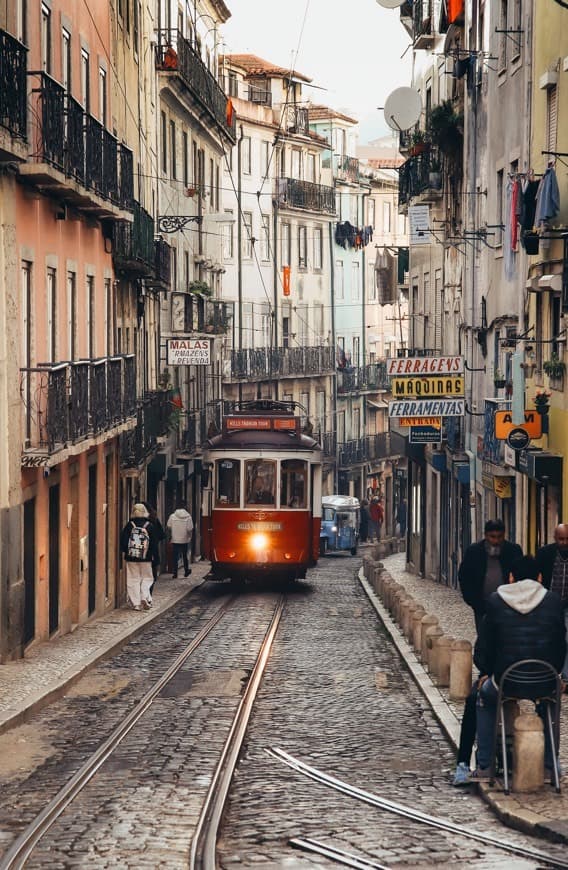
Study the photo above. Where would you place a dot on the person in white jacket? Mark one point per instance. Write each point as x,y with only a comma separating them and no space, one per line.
180,529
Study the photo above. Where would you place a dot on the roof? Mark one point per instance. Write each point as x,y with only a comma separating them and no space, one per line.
324,113
340,501
256,66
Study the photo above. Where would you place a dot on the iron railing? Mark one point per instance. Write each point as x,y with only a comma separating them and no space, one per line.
367,449
267,362
13,93
153,419
194,433
305,194
65,403
370,377
492,447
415,175
347,168
126,177
422,17
75,121
296,119
175,55
133,243
162,262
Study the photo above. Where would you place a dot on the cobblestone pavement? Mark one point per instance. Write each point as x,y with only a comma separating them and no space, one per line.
338,697
456,620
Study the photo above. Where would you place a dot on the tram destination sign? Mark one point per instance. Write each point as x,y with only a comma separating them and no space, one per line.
427,408
420,366
451,385
188,351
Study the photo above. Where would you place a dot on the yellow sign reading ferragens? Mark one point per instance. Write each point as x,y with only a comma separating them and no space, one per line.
449,385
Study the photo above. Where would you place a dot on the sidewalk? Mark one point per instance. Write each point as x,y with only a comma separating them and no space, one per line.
544,813
28,684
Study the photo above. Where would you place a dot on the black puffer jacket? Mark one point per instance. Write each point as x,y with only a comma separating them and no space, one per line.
472,571
522,621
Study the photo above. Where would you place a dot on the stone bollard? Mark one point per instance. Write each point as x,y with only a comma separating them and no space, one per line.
404,608
428,621
407,628
386,583
395,592
415,629
528,753
383,578
432,636
440,660
460,670
403,599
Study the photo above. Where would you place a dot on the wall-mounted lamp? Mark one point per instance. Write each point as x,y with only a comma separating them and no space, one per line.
529,363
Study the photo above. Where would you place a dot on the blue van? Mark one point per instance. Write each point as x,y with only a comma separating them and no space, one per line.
339,524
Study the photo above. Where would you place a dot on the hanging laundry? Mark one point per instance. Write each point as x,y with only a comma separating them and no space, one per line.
515,197
508,253
547,198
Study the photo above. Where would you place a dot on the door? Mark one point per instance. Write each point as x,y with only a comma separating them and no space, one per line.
29,570
92,537
75,557
53,558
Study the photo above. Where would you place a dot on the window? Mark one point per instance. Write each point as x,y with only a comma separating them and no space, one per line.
185,158
341,427
102,96
265,158
371,283
371,213
185,269
66,59
320,411
72,314
247,235
217,187
164,142
499,208
27,309
551,117
265,237
232,85
319,321
339,283
260,482
283,163
386,217
355,281
356,431
228,240
302,247
503,36
312,176
228,479
45,38
285,245
303,330
51,280
85,80
173,155
293,483
296,163
318,248
286,331
22,21
91,348
109,318
356,351
245,155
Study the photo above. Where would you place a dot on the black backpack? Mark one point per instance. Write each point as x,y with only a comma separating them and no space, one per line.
138,542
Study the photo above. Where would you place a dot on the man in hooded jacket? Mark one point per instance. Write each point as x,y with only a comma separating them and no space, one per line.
553,564
522,621
180,528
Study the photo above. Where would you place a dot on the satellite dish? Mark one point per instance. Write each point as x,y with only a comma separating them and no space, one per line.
390,4
403,108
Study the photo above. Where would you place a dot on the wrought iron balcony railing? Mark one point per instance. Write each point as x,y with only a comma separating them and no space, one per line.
13,93
267,362
133,244
65,403
194,433
305,194
419,174
153,419
361,378
176,56
347,168
71,141
492,448
328,441
367,449
296,119
423,29
162,263
217,317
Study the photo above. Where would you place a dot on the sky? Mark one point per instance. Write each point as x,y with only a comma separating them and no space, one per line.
352,48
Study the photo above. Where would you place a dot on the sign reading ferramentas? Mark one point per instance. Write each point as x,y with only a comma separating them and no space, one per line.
425,365
188,351
428,408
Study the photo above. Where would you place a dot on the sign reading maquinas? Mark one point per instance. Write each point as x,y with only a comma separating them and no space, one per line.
425,365
428,408
188,351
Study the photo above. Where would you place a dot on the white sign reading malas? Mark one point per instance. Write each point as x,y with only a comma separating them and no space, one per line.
188,351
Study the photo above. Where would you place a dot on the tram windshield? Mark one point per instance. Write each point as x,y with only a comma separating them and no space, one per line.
228,482
293,476
260,482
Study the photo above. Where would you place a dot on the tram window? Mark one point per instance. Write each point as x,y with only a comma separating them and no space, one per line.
228,482
261,482
293,475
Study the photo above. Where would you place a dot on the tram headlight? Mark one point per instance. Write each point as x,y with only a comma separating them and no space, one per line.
259,542
334,528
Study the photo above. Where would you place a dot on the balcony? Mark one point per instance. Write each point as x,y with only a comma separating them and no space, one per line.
328,441
217,317
133,250
194,434
292,193
68,403
422,24
13,98
492,447
281,362
176,58
367,449
74,158
346,168
153,418
419,179
296,119
162,265
363,378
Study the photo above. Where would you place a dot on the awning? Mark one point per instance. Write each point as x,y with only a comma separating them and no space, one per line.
376,406
540,465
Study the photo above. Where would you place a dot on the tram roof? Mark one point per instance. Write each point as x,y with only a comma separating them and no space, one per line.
245,439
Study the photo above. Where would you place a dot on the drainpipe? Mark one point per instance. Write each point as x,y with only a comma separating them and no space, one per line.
274,318
240,251
334,376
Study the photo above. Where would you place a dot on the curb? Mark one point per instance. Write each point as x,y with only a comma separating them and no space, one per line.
505,807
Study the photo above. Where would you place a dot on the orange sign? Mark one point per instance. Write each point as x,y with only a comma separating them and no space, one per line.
286,280
504,424
436,422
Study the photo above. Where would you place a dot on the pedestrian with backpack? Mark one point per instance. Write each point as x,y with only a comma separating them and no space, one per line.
139,546
180,529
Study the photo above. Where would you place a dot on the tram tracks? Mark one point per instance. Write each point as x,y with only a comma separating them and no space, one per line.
21,849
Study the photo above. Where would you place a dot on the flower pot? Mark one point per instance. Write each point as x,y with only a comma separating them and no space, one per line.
417,149
500,383
531,243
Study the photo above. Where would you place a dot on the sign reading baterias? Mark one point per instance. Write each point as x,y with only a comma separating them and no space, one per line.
188,351
420,366
453,385
427,408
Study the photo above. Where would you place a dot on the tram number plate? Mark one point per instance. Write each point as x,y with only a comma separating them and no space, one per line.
259,527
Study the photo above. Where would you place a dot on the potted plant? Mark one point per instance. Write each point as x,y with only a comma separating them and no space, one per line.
499,379
531,242
418,142
554,367
541,401
200,288
445,128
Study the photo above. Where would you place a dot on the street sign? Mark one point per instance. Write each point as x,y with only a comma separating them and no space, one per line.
427,408
435,422
518,439
425,365
504,424
425,435
453,385
188,351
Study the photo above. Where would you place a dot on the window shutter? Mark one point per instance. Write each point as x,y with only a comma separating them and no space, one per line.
551,117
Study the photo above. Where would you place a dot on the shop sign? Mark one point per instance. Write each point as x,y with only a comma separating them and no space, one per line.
419,224
188,351
452,385
502,487
427,408
509,456
425,435
425,365
436,422
504,424
518,439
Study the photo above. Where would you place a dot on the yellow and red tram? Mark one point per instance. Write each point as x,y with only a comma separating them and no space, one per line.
262,499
